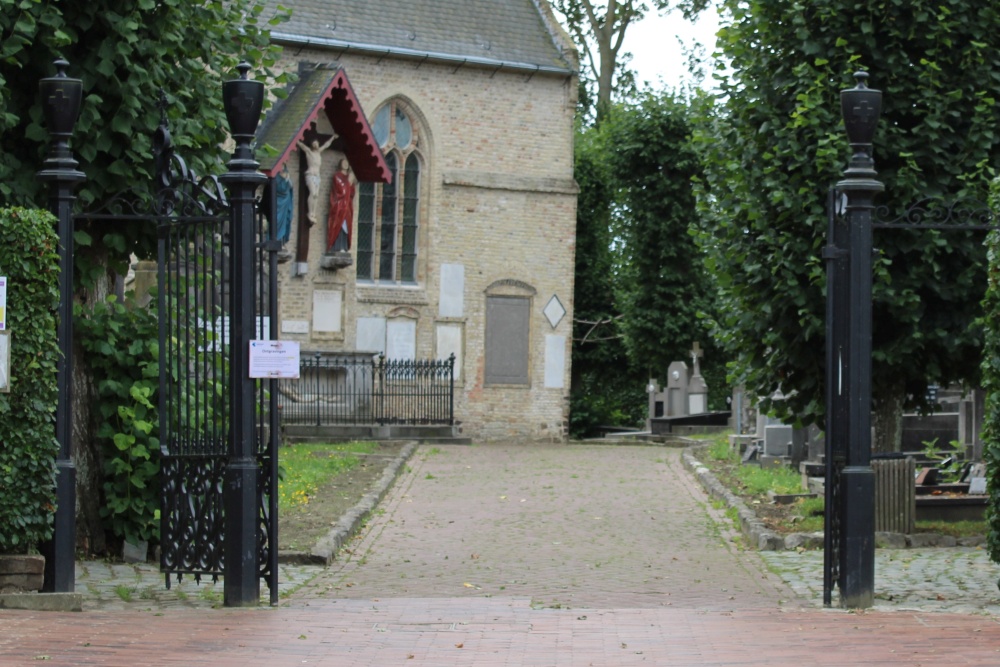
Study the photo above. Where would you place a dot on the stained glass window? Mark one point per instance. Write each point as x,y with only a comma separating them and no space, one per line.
389,214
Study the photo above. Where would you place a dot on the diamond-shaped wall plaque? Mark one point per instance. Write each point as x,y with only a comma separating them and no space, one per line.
554,311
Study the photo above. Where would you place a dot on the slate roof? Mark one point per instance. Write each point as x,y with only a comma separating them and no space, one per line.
328,91
499,33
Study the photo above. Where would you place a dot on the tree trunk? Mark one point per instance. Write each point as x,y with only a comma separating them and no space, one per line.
86,450
887,419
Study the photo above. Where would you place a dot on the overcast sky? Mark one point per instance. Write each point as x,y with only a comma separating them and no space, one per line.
656,49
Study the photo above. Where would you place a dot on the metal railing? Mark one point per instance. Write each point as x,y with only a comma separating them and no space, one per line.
335,389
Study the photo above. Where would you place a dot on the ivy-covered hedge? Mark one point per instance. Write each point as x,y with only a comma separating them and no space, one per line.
121,345
29,260
991,380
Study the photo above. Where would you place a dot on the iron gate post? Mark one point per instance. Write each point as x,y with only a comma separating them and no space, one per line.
243,101
61,97
837,259
860,107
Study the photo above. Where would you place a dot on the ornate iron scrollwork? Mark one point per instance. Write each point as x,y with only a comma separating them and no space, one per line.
936,213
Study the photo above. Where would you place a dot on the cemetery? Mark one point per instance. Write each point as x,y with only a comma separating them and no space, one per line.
937,477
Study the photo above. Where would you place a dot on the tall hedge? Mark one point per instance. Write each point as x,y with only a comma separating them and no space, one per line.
28,448
991,380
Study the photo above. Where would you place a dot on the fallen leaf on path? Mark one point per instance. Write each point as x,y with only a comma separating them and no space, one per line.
459,645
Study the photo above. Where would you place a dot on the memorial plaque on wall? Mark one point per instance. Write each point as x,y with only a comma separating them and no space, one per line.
326,310
452,295
371,334
555,361
401,339
449,341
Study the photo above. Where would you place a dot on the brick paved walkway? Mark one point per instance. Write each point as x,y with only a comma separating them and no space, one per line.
512,555
565,526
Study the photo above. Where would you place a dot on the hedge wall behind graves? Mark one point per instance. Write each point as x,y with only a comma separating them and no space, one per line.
29,260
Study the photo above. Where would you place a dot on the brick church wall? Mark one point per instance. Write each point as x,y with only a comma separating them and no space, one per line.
500,203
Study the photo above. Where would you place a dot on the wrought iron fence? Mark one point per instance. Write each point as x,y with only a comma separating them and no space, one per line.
361,390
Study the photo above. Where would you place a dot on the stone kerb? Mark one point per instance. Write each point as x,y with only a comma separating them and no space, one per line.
764,539
350,523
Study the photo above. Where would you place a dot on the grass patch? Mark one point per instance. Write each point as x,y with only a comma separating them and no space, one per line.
306,467
805,515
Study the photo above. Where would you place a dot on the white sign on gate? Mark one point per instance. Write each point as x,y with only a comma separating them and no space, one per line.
3,303
4,362
274,359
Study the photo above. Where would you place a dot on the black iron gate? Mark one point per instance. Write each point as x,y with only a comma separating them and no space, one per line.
929,214
194,303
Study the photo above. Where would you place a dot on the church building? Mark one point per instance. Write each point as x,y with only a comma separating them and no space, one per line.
424,158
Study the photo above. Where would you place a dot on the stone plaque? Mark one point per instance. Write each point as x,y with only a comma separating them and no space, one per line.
507,337
401,339
554,311
371,334
555,361
295,326
452,294
449,341
327,306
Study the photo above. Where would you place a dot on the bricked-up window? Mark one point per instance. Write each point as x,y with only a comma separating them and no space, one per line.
507,336
389,214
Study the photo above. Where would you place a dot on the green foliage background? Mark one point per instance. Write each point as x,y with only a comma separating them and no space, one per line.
991,383
29,260
128,54
774,145
638,269
125,52
122,354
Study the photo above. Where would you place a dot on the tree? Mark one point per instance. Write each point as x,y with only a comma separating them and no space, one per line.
775,145
126,52
640,287
599,30
661,283
602,390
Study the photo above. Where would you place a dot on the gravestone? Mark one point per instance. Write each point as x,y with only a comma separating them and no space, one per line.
697,389
777,439
677,389
686,393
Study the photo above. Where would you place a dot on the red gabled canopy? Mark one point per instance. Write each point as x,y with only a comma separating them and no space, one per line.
327,91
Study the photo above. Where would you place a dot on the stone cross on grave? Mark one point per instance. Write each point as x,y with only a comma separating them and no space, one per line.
696,354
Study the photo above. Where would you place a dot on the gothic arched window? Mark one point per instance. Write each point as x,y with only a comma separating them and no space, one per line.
389,214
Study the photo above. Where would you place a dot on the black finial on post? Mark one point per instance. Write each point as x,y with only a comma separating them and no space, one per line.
861,107
243,99
61,98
